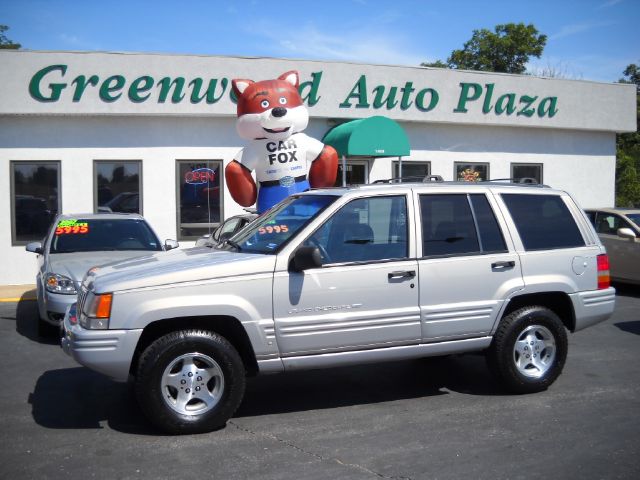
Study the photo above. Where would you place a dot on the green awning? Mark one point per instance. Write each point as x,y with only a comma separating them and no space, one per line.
368,137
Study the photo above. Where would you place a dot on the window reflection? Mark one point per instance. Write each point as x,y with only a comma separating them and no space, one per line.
35,198
118,187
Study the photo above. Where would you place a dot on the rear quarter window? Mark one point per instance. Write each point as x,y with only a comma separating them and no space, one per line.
543,221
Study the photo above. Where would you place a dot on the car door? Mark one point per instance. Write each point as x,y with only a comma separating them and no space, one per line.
624,253
466,269
365,295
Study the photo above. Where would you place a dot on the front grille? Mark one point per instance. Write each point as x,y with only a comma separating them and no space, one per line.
82,296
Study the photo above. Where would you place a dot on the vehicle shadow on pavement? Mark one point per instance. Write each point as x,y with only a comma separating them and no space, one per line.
366,384
77,398
627,290
629,327
27,321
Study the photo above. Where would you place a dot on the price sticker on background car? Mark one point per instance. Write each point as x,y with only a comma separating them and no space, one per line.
66,227
273,229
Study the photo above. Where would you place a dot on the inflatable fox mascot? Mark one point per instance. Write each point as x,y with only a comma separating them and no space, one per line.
286,161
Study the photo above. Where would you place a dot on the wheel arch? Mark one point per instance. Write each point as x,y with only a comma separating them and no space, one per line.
557,302
229,327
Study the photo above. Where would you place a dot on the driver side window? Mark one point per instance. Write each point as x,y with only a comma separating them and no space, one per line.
364,230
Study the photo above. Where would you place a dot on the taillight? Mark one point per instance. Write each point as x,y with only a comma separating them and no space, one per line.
604,279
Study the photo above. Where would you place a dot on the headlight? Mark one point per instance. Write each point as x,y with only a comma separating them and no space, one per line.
96,311
59,284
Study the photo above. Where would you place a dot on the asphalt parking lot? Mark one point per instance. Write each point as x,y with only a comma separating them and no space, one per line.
427,419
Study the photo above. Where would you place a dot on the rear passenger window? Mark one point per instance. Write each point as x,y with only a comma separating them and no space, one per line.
459,224
543,221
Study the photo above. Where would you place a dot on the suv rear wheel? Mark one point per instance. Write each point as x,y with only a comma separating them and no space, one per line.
190,381
528,350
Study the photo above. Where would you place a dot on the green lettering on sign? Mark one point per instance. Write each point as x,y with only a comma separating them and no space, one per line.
509,106
81,83
211,90
548,107
111,85
379,101
313,85
165,86
359,92
432,103
56,88
465,96
140,85
407,90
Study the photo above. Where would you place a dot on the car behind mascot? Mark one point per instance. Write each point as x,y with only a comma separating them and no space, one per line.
286,161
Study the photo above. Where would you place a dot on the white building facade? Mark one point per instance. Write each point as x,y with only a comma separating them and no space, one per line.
83,131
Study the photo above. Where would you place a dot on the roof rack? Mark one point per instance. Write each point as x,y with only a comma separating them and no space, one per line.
525,180
415,178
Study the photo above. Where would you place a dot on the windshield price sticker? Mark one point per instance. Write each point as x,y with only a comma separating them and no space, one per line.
273,229
72,227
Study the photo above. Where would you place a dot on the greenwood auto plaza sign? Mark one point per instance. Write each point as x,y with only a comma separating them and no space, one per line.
52,84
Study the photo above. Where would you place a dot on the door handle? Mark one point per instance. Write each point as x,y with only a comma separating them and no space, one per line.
402,274
498,266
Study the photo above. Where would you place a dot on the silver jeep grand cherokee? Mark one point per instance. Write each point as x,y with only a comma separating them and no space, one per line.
345,276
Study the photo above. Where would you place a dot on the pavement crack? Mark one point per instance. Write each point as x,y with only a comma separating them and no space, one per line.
317,456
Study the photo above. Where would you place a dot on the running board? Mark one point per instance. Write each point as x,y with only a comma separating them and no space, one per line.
336,359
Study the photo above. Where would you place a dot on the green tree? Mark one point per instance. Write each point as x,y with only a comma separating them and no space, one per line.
628,152
5,43
507,49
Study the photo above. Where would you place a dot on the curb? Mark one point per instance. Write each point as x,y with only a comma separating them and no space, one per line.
17,293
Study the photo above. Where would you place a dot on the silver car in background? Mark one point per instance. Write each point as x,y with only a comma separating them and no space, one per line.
76,243
226,230
619,231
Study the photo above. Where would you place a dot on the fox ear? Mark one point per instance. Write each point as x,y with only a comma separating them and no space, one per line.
239,85
290,77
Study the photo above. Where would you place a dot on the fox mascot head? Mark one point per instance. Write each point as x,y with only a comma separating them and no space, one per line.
271,116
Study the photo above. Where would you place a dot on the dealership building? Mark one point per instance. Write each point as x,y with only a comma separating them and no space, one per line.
151,133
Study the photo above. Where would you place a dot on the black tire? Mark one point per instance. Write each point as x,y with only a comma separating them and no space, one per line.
173,367
537,332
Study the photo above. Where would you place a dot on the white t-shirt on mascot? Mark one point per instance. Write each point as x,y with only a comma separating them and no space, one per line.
281,166
277,159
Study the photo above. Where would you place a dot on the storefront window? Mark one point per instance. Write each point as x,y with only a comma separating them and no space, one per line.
356,173
35,198
471,172
526,170
199,197
412,171
117,186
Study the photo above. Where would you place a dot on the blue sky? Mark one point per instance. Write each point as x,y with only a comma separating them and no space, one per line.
587,39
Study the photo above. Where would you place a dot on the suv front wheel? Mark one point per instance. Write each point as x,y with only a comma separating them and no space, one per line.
190,381
529,349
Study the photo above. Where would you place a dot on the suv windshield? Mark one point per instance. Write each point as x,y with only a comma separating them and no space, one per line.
89,235
273,229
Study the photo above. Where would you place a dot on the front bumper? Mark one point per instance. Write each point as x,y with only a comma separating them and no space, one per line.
106,351
593,306
55,306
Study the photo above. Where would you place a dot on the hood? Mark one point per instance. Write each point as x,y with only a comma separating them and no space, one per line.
75,265
177,266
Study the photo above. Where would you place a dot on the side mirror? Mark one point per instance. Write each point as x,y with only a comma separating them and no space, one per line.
224,237
170,244
623,233
34,247
305,258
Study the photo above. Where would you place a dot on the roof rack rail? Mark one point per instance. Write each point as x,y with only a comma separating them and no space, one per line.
414,178
432,178
525,180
